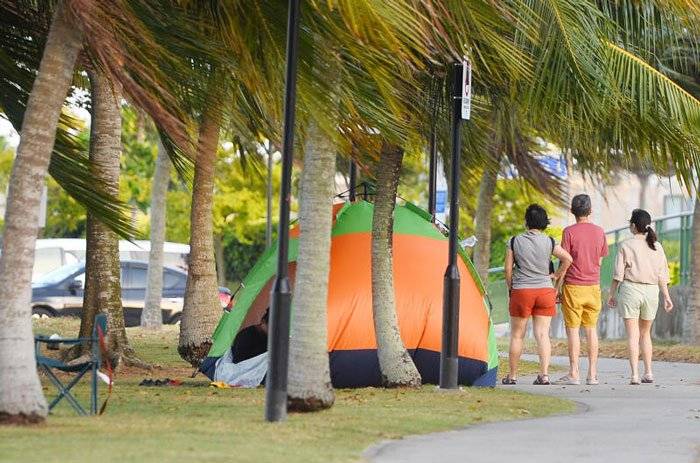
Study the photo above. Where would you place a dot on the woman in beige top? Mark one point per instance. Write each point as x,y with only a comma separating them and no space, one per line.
640,271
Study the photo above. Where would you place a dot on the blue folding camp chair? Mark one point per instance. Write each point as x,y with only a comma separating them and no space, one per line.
94,362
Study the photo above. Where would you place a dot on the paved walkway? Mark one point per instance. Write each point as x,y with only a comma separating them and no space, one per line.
657,423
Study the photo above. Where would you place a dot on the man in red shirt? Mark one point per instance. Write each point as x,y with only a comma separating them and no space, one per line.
581,298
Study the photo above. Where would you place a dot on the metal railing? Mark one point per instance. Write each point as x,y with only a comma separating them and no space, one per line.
674,232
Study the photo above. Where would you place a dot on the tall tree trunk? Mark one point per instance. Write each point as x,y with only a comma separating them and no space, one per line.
484,210
21,398
395,363
269,191
102,268
694,309
202,309
220,260
152,317
643,187
310,386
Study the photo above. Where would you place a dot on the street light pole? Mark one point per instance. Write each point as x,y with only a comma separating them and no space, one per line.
281,294
449,360
353,180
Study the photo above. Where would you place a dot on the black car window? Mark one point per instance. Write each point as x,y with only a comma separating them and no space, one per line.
173,280
137,277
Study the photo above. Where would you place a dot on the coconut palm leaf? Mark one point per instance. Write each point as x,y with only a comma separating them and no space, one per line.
69,164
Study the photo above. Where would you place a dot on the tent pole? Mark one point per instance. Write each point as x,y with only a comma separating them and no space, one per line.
281,294
449,360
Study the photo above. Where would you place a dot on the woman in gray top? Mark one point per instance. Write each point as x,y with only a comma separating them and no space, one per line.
531,281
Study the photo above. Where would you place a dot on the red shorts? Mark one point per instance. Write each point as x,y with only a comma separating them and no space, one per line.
528,302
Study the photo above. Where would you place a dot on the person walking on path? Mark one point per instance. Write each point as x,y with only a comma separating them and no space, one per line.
581,298
641,270
529,276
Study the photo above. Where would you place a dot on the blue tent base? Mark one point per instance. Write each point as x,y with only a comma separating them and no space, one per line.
360,368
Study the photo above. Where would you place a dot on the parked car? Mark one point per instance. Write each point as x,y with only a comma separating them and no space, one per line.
61,291
51,254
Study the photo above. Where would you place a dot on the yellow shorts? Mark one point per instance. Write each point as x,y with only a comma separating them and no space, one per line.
581,305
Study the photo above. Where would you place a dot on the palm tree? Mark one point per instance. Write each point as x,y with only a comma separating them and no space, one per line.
587,134
482,223
397,367
118,45
202,309
694,309
151,317
102,267
21,397
309,385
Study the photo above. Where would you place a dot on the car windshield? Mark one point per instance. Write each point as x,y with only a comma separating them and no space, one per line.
58,275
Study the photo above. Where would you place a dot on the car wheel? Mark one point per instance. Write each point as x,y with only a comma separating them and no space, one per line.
42,312
175,319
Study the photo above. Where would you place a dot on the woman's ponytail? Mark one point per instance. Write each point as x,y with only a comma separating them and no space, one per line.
642,222
651,238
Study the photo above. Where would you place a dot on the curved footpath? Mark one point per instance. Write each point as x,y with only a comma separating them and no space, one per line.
617,423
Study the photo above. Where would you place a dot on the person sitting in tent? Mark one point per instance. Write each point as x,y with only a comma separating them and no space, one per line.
252,341
245,364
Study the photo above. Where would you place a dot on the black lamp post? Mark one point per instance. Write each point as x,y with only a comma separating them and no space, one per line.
353,180
449,360
281,294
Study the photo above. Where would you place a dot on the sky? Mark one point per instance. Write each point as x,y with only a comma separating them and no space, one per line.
8,132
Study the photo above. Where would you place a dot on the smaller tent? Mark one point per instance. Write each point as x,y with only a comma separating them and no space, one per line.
420,258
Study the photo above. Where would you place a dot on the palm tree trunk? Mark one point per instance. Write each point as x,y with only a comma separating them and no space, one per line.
309,385
21,398
220,260
202,309
694,309
643,187
152,317
395,363
102,268
482,251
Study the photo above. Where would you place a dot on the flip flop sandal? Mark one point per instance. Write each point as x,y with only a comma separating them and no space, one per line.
634,381
542,380
508,381
647,379
592,381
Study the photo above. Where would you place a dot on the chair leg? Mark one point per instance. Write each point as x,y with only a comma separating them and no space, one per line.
93,390
64,391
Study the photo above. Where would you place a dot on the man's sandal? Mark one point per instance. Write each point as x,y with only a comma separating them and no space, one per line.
508,381
542,380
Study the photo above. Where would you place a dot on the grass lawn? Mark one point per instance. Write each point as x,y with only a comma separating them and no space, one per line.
663,350
194,422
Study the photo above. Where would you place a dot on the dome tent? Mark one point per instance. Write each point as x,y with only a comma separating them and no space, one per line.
420,259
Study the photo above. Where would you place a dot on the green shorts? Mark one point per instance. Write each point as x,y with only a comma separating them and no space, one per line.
637,300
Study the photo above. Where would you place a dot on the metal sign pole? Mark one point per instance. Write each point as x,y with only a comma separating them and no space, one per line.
449,357
281,294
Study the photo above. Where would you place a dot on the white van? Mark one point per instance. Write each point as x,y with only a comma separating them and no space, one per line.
51,254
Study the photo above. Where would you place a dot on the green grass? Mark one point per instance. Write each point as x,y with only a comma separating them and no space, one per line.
194,422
